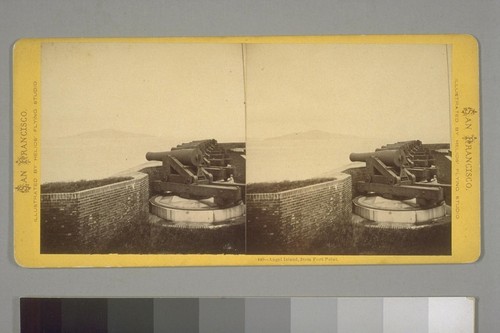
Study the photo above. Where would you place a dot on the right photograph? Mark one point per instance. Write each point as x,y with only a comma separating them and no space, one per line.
348,149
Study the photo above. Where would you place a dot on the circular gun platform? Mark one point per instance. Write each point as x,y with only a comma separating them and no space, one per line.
189,211
402,212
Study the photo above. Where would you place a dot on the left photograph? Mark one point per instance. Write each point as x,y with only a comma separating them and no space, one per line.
143,148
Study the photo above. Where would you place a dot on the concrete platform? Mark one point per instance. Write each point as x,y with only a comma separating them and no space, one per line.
191,212
398,212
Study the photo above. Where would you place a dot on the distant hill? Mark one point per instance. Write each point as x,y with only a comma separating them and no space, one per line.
108,134
310,135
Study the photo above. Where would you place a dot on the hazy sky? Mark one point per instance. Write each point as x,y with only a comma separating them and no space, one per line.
197,90
394,91
177,90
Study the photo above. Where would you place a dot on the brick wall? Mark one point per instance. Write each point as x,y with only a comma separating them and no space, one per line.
357,174
263,222
86,221
310,220
154,173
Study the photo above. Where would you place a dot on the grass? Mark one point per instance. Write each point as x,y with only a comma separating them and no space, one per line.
146,238
434,240
350,239
80,185
284,185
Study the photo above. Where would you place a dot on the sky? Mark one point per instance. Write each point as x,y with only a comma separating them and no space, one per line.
198,90
370,90
230,92
176,90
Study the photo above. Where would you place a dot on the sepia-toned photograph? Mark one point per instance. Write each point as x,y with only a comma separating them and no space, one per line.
348,149
147,148
143,148
235,151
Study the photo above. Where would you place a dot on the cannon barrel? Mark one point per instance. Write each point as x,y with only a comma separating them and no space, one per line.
393,157
193,157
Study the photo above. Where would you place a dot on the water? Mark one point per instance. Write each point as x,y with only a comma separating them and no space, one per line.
71,159
278,160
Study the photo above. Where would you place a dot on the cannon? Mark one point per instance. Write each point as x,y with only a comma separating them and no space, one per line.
181,166
396,171
192,156
186,172
215,160
393,157
204,145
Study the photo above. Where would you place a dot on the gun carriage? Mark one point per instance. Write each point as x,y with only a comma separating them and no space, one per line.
197,170
401,171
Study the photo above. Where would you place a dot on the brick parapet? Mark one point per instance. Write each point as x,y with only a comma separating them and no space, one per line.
294,221
85,221
357,174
